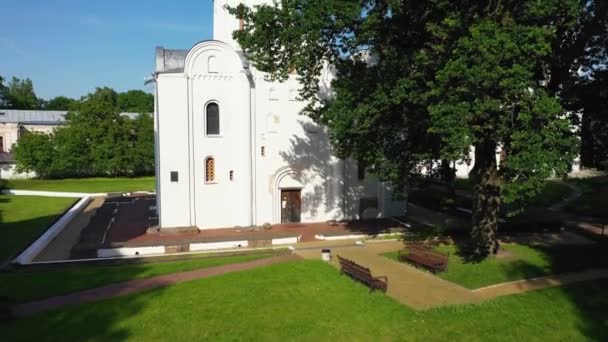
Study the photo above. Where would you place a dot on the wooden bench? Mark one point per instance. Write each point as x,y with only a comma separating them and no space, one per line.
422,256
362,274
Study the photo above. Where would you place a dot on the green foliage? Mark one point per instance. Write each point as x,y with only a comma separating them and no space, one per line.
3,99
419,82
19,94
60,103
35,152
96,141
136,101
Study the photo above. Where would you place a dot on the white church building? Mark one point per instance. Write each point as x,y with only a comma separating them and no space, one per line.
233,150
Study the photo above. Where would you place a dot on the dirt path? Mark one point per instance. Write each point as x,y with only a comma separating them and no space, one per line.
133,286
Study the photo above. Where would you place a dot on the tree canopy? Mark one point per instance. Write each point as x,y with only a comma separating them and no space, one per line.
60,103
96,141
19,94
417,82
136,101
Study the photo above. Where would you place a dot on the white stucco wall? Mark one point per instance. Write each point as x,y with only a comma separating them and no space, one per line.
255,114
173,150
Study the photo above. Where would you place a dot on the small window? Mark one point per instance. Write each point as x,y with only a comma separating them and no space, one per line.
212,64
174,176
209,170
263,151
1,144
213,119
231,175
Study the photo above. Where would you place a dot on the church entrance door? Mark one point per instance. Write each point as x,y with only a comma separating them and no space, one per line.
291,205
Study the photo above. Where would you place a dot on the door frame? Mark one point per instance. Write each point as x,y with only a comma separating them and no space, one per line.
289,189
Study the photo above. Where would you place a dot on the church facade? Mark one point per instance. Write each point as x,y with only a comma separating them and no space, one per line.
233,150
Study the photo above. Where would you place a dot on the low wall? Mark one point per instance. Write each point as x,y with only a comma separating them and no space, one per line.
51,193
43,241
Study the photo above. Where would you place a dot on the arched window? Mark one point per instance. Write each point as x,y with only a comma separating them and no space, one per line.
212,64
209,170
213,119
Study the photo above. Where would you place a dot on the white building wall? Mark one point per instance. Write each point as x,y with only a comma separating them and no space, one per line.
173,149
223,202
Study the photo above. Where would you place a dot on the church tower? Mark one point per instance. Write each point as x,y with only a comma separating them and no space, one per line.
224,23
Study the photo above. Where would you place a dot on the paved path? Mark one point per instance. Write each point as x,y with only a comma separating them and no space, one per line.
132,286
423,290
406,284
60,247
518,286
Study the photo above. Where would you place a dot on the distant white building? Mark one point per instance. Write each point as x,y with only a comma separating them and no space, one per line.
232,149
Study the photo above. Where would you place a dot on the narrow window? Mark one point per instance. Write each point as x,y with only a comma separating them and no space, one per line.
263,151
209,170
212,64
213,119
1,144
231,175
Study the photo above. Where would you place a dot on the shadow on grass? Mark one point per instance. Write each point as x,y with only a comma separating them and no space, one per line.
590,301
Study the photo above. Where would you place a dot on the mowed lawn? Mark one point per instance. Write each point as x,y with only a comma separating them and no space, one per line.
311,301
24,285
24,218
520,262
118,184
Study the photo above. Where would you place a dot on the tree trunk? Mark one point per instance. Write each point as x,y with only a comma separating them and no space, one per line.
486,200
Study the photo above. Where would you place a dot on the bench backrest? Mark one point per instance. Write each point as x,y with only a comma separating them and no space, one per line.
354,268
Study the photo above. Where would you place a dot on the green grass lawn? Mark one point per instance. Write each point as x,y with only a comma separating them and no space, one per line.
594,200
25,286
118,184
520,262
310,301
24,218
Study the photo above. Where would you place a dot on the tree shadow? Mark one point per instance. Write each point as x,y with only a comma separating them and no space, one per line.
310,157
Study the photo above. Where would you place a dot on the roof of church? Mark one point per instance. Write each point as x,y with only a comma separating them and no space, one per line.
174,60
40,117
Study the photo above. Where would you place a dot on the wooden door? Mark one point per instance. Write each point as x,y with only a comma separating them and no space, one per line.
291,206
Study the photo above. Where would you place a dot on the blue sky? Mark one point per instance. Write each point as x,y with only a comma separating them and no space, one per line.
69,47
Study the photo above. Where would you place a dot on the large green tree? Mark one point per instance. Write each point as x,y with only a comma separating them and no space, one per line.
95,141
20,94
417,81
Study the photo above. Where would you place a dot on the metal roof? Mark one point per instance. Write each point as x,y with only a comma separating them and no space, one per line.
40,117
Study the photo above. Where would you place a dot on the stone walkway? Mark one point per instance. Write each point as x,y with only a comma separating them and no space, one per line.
519,286
138,285
423,290
406,284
